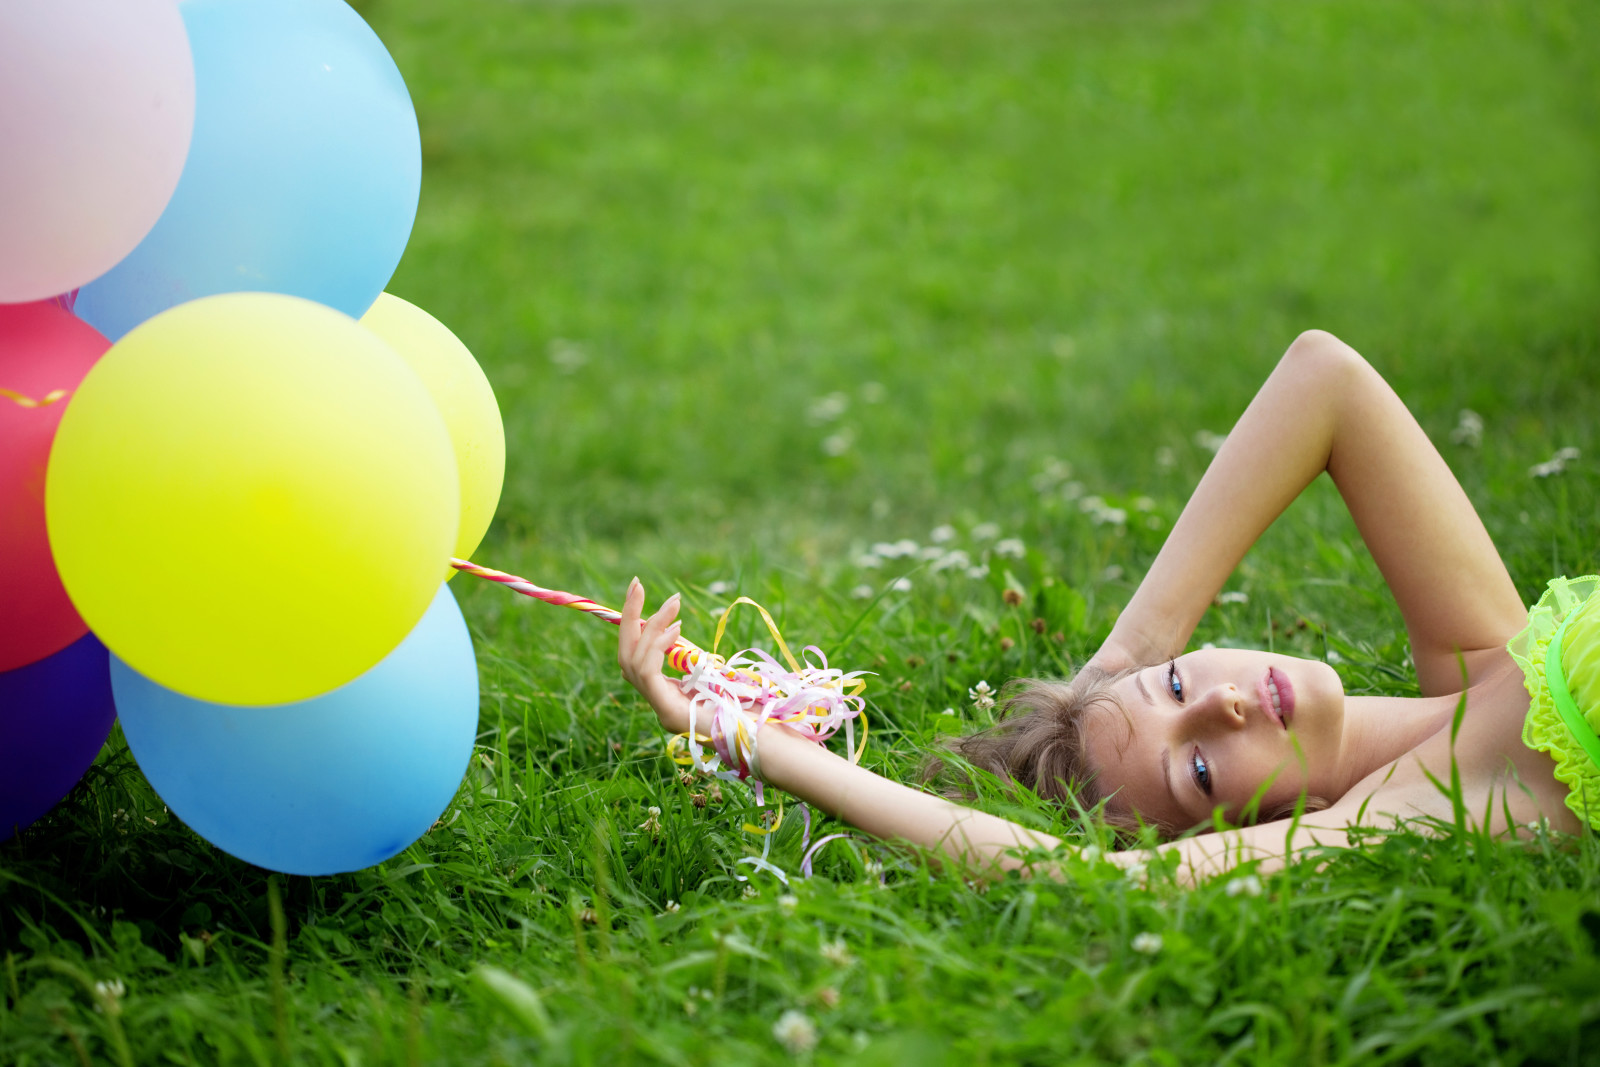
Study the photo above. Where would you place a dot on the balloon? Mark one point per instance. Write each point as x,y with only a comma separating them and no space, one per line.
249,499
54,716
332,784
44,354
96,107
466,401
303,175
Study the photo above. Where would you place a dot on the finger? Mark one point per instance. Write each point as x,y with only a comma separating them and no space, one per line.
630,627
633,603
669,636
658,622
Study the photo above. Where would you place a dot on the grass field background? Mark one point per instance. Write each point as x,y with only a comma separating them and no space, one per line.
762,285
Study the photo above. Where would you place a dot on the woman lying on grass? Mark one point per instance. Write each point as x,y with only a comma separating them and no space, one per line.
1167,737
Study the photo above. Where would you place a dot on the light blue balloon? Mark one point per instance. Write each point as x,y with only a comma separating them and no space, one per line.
303,172
331,784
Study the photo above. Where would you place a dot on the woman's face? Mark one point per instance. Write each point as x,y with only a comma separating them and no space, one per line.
1211,727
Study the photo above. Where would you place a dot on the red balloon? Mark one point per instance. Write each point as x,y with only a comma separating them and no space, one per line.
45,351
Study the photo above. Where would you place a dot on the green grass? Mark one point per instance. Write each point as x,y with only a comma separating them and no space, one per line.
1009,236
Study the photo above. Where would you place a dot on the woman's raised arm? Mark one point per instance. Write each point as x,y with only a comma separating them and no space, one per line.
1325,409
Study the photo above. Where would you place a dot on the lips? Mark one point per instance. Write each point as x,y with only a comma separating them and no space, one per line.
1278,696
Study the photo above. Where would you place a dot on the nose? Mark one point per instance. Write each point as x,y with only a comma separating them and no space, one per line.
1220,706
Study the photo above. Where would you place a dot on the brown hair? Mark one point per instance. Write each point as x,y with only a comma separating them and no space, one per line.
1039,742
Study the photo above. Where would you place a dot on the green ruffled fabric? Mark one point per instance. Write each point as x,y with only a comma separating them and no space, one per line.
1544,729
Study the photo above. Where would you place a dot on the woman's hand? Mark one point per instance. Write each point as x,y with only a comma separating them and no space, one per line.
641,649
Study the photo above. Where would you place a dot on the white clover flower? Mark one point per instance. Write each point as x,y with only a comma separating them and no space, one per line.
839,443
982,696
108,995
1245,886
986,531
795,1031
1555,464
836,952
788,903
873,392
954,558
1053,473
673,905
1111,573
1011,548
1165,457
980,571
719,588
869,561
940,534
568,356
862,592
827,408
1147,944
751,892
1233,596
1209,441
931,552
948,711
1469,429
1071,491
901,585
1144,503
1090,854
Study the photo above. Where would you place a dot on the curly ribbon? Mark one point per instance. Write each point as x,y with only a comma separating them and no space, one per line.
22,400
739,695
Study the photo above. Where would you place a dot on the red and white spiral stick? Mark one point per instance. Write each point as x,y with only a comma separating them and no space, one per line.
682,657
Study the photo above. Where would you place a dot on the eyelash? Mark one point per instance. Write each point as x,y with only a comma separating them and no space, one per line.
1201,771
1198,767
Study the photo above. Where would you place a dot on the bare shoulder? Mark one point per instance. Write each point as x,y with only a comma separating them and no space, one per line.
1499,774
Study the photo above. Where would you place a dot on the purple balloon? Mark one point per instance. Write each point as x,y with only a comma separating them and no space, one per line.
54,716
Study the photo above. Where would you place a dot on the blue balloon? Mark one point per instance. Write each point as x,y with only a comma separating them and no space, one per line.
303,171
55,714
334,783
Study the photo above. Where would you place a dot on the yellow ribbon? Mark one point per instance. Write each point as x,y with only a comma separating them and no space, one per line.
29,402
772,628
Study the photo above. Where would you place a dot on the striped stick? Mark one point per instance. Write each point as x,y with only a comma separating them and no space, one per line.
682,656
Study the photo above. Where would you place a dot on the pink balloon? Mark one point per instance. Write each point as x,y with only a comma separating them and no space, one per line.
96,109
44,353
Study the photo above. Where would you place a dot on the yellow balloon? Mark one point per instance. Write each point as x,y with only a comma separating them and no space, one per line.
466,401
248,498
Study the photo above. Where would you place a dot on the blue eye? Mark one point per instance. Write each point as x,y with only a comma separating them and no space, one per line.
1202,772
1174,683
